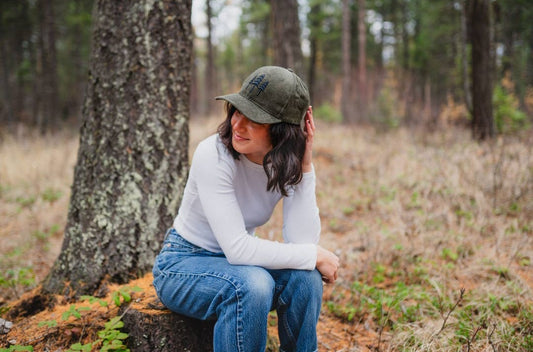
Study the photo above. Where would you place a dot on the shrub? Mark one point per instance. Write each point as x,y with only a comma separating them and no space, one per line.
328,113
507,117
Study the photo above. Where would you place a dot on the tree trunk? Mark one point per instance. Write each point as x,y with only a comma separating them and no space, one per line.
132,158
464,57
16,29
361,79
405,35
9,118
482,121
48,73
210,79
78,60
346,105
314,24
194,95
286,29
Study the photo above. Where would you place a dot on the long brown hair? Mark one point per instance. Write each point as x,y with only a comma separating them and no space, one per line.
283,163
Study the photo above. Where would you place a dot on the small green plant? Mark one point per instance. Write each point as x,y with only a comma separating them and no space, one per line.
112,338
16,348
48,323
524,261
92,299
74,311
347,211
25,202
387,194
51,195
379,275
449,254
348,312
81,347
502,271
44,235
14,278
461,213
123,295
414,203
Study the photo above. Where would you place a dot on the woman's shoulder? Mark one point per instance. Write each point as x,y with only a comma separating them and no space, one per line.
207,144
212,150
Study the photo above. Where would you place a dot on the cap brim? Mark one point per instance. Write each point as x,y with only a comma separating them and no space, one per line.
249,109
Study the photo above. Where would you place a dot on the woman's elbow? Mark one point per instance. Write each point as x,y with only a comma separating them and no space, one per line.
235,258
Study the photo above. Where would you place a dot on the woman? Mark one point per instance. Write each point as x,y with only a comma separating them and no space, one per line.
211,265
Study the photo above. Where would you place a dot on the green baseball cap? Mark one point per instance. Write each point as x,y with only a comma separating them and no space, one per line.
271,94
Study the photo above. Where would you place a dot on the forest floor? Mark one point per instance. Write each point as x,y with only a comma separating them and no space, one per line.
434,232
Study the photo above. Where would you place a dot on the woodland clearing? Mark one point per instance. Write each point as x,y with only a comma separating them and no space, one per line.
434,232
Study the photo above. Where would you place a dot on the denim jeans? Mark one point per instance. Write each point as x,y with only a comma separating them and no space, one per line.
201,284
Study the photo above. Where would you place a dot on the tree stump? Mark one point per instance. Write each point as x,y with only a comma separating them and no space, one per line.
154,328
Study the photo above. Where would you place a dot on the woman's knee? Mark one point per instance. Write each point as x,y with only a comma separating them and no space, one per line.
309,283
310,278
257,285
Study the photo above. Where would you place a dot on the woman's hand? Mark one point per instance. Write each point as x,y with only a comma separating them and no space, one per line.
328,264
309,131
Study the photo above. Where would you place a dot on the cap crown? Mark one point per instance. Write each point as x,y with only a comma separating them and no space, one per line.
277,91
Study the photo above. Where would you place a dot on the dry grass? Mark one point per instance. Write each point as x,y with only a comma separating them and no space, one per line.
35,177
415,217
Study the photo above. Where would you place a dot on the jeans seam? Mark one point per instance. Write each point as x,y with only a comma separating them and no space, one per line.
284,321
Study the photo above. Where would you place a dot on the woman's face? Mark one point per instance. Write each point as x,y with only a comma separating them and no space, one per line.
250,138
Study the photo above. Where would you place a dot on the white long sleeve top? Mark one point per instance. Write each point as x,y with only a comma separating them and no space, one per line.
226,199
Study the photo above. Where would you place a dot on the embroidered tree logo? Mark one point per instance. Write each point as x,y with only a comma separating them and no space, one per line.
258,83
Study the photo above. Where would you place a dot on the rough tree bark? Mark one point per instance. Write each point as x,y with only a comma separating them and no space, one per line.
286,29
346,105
132,158
314,22
48,85
361,41
464,57
210,79
482,121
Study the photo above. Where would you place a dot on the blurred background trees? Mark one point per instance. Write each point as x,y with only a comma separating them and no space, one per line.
392,62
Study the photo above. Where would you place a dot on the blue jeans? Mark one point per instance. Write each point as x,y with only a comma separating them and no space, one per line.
197,283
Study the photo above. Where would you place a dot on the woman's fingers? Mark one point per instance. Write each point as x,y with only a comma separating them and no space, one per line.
311,119
309,123
328,264
309,132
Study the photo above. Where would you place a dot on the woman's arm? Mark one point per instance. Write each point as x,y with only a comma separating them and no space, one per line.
214,176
